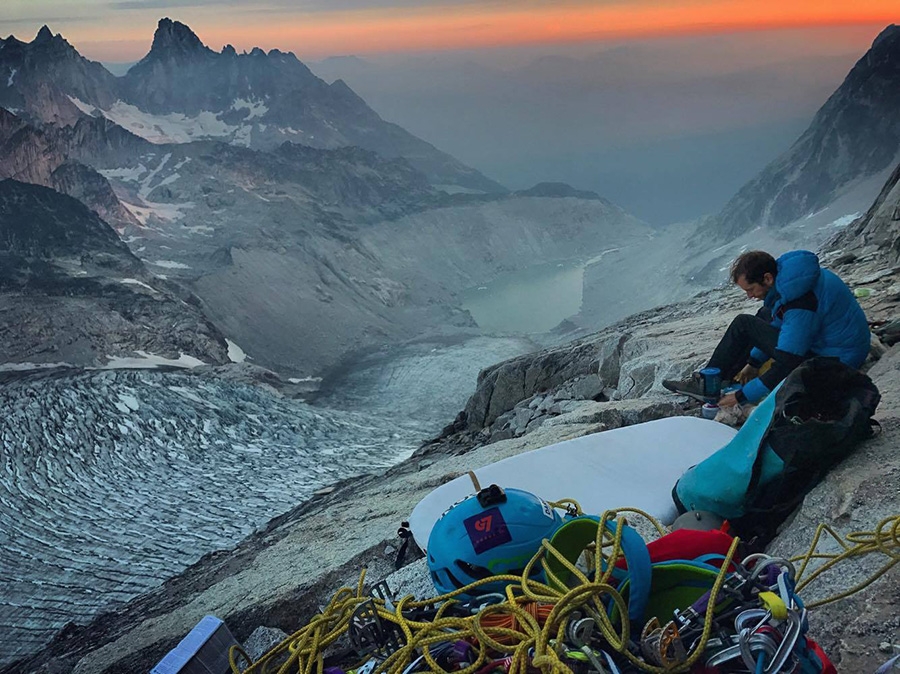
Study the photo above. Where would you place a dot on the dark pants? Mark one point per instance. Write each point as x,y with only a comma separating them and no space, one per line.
744,333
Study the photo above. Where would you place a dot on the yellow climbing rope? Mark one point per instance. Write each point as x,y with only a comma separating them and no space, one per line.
530,643
885,538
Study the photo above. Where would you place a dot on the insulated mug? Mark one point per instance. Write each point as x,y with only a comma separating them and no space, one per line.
712,382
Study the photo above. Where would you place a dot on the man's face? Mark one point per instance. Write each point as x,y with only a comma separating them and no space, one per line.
756,291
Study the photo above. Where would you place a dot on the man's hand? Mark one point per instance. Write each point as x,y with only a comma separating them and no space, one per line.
746,374
728,400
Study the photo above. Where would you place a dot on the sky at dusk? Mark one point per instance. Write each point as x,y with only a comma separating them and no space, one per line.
665,107
121,30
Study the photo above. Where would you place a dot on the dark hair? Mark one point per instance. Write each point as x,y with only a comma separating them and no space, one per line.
753,266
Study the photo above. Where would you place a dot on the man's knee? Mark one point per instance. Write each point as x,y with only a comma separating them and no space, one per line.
743,322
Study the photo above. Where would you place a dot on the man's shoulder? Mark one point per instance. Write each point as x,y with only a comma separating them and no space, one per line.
808,301
831,276
832,283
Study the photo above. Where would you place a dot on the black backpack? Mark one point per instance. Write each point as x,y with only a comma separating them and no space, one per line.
822,411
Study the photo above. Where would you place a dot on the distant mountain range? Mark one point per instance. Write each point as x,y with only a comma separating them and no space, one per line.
300,223
182,91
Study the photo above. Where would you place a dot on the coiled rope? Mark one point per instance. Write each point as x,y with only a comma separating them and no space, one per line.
514,628
531,643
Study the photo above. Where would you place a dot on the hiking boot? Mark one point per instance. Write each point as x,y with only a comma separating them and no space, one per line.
691,387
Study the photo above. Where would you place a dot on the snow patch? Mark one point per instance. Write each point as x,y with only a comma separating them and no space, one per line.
256,108
27,367
146,187
129,173
12,76
190,395
169,212
167,264
815,213
168,180
242,135
150,361
843,221
135,282
295,380
235,353
199,229
457,189
599,257
86,108
130,402
175,127
252,449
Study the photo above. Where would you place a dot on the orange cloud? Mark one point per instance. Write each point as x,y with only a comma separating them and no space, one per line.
468,26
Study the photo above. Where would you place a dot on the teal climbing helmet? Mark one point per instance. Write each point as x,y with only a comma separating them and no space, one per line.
493,532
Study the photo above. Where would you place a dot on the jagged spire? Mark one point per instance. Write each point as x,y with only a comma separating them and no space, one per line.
44,35
174,36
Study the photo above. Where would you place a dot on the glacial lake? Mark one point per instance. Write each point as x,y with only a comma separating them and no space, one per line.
531,300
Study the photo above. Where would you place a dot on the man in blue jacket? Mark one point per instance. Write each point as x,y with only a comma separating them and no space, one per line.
810,312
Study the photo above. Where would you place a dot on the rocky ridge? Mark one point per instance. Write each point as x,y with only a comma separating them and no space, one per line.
854,135
71,292
30,155
879,229
46,73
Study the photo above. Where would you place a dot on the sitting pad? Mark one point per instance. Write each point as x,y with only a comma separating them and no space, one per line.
633,466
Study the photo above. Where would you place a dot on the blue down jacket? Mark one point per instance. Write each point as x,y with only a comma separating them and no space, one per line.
817,315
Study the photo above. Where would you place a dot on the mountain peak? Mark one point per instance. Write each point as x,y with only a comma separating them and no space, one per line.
887,44
174,36
889,33
44,35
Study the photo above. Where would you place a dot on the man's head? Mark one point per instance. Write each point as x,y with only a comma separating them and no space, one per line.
754,271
